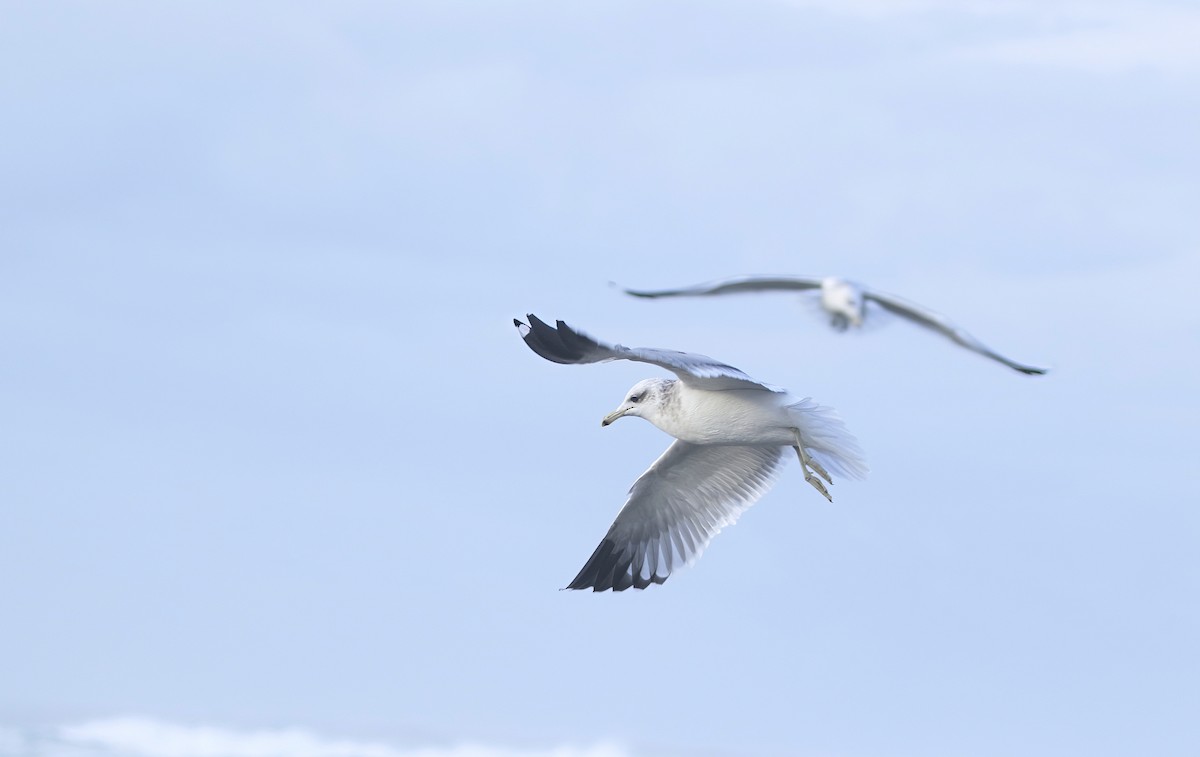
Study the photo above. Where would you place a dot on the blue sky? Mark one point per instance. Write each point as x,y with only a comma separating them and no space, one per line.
277,459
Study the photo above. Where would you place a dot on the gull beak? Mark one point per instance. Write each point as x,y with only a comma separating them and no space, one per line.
613,416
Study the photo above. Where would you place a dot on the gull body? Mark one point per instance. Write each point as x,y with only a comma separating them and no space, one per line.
701,416
846,303
731,433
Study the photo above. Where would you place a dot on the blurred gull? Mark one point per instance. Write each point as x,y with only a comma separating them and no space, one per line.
730,432
846,303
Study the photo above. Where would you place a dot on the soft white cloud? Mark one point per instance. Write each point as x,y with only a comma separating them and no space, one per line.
1154,40
1100,36
144,737
1061,10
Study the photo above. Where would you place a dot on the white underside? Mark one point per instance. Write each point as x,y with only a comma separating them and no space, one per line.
745,417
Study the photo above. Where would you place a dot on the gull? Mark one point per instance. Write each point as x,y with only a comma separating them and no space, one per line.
731,433
846,303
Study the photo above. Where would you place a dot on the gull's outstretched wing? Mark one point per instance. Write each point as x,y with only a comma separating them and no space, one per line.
563,344
939,323
674,509
734,286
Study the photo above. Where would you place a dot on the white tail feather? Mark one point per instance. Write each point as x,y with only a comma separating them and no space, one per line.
827,439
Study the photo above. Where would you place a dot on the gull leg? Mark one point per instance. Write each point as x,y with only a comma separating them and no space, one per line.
810,461
809,465
819,469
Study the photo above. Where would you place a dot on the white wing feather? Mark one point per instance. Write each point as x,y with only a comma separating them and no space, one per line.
674,509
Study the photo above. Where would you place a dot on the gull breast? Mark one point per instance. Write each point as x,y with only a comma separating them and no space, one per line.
730,416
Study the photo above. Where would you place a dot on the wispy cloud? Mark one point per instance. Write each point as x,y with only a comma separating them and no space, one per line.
1158,40
1041,9
145,737
893,8
1102,36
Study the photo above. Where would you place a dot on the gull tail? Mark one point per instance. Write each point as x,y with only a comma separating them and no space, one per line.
827,439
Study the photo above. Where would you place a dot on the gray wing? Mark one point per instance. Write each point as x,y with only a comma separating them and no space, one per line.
674,509
939,323
735,286
563,344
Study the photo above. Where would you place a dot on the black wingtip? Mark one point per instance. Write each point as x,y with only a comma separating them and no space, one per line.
610,568
558,343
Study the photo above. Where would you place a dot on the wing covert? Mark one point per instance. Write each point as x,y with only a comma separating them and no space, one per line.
941,324
734,286
563,344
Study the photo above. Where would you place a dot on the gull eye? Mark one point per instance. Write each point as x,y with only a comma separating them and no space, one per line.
635,398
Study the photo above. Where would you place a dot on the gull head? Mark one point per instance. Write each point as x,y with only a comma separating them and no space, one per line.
844,301
642,401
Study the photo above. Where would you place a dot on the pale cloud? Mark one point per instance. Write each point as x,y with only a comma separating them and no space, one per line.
1060,10
1164,41
1098,36
879,9
145,737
